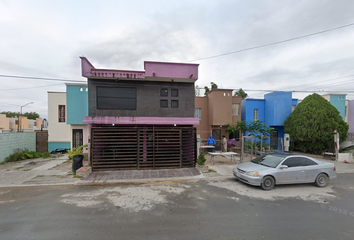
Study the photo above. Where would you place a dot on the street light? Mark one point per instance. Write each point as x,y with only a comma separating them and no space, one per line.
18,127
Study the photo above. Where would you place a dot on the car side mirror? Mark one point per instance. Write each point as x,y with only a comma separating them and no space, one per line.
283,167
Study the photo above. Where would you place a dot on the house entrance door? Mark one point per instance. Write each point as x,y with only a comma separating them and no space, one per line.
217,138
274,140
77,138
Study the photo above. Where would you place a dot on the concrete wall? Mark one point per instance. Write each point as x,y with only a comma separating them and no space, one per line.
11,141
148,99
77,103
338,101
248,105
203,129
4,122
59,134
277,107
220,107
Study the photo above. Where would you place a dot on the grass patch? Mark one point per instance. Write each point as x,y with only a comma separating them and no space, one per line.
75,176
26,170
40,175
18,168
211,171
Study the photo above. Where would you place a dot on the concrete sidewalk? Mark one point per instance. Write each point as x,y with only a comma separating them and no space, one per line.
57,171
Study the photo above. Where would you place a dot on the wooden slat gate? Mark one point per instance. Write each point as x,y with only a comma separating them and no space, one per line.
119,148
41,142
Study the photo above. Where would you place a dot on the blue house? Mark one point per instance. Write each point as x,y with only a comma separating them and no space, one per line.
274,109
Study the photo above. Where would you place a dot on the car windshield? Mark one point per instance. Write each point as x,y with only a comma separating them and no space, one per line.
268,160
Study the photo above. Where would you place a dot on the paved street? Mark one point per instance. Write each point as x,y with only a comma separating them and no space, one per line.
209,208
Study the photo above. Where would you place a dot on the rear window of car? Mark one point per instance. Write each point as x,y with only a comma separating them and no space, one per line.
308,162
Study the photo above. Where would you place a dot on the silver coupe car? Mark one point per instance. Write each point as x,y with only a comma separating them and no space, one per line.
282,168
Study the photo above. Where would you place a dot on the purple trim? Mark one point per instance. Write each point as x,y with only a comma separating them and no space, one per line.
153,71
142,120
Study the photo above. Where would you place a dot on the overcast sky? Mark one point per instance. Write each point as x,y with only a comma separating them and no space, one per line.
45,39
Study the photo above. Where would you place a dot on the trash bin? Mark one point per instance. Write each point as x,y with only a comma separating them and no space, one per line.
77,162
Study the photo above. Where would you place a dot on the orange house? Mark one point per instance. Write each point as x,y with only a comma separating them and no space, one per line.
215,110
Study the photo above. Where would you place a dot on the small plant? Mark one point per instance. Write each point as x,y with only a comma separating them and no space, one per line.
211,171
46,155
19,155
75,151
201,159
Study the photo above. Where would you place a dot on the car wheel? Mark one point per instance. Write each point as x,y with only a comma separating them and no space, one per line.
321,180
267,183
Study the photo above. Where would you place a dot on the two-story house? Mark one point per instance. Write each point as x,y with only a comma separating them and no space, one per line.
141,119
273,109
66,111
215,110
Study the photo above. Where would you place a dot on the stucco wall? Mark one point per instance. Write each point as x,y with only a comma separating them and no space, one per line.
248,105
77,103
57,131
338,101
220,106
203,128
11,141
148,99
277,107
4,122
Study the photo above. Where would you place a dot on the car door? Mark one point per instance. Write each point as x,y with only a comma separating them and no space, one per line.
311,169
295,173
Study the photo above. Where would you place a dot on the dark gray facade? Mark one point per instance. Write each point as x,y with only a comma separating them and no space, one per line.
148,99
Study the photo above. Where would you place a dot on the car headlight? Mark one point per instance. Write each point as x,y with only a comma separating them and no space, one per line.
254,174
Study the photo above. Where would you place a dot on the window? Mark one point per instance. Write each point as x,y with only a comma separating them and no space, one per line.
292,162
16,122
61,113
35,124
198,114
307,162
164,92
116,98
174,92
235,109
174,103
255,114
163,103
293,108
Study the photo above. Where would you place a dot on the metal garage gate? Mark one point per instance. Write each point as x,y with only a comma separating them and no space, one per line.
121,148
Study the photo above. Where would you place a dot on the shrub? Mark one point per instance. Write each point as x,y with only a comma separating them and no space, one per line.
46,155
201,159
75,151
19,155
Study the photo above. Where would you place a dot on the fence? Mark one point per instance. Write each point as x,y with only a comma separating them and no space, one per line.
11,141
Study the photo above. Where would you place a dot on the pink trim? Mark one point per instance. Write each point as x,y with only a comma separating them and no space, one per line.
153,71
142,120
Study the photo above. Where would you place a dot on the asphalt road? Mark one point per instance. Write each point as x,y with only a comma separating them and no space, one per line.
203,209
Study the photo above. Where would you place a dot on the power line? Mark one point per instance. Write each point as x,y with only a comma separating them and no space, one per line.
274,43
40,78
9,89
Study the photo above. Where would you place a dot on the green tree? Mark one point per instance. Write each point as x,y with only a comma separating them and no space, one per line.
213,86
255,128
206,91
29,115
312,125
241,93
